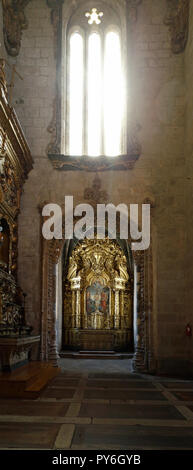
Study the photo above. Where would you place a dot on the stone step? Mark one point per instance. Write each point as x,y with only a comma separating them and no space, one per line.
97,352
95,355
28,381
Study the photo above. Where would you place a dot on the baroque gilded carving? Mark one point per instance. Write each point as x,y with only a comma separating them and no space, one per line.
14,22
3,82
100,288
12,315
177,18
15,163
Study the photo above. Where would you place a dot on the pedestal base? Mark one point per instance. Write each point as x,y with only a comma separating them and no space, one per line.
98,340
14,352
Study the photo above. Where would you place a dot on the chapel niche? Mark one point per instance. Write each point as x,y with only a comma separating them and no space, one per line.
97,298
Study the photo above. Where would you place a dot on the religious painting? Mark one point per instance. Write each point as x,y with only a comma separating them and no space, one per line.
97,299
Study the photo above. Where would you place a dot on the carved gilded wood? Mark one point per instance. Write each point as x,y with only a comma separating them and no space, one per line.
15,163
100,288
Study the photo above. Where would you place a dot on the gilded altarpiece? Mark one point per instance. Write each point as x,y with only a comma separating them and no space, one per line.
98,300
15,163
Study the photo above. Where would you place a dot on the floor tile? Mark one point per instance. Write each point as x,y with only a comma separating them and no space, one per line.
184,396
34,408
178,385
131,437
27,435
130,411
58,393
114,375
124,394
113,384
65,382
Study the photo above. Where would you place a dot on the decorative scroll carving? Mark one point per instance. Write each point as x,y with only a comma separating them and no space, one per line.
54,145
95,194
177,18
14,22
9,184
12,316
84,163
55,125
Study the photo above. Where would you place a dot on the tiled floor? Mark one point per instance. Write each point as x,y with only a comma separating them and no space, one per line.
101,405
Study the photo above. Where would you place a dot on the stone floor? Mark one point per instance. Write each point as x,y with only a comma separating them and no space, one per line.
101,405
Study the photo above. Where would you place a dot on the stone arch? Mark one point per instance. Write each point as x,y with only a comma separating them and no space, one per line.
144,359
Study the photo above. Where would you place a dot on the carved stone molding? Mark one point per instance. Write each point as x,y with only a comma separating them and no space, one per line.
14,22
177,18
144,353
54,127
85,163
128,13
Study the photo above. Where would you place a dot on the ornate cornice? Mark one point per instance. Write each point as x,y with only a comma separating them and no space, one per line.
177,18
14,22
85,163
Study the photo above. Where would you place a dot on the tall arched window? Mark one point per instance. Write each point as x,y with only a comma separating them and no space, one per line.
94,111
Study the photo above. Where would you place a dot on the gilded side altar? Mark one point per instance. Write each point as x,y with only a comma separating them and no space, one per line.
15,163
98,300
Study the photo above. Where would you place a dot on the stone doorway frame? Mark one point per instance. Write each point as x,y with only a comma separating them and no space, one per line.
144,359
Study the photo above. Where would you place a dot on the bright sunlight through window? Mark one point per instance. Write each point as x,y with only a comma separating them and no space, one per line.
96,101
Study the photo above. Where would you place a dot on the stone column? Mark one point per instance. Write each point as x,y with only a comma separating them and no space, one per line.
139,357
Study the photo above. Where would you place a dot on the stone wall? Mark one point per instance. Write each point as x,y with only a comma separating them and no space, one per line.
159,100
189,171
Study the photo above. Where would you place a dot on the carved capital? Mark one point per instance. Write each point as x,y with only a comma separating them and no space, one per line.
14,22
177,18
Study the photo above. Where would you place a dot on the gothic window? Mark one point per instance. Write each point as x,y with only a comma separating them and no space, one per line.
94,105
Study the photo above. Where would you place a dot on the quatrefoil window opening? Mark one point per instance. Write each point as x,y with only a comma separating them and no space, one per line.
94,16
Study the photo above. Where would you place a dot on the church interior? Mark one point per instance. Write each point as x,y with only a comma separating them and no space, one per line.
96,346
